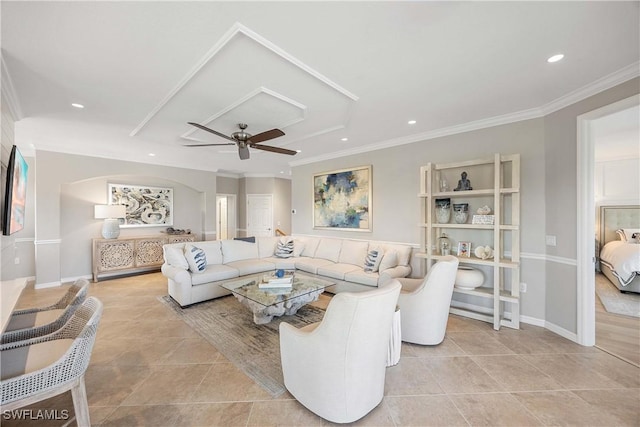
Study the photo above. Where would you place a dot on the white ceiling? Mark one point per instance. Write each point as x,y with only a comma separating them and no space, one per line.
320,71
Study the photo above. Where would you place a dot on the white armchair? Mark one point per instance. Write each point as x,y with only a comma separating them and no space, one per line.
424,303
336,367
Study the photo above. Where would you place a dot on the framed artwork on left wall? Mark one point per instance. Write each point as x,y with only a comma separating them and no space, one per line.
146,206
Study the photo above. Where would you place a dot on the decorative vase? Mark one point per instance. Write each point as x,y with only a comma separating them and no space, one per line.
460,212
443,210
444,245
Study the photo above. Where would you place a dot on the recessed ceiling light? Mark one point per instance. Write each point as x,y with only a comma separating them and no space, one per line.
555,58
411,122
76,105
281,171
344,139
152,154
298,151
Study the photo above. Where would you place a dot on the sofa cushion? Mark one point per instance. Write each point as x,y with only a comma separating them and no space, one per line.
238,250
212,250
389,260
282,263
362,278
251,266
213,273
337,271
267,246
310,265
329,249
373,259
298,247
310,246
353,252
403,253
196,258
284,249
174,256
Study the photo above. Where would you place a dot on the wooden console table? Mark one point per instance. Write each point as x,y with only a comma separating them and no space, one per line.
131,254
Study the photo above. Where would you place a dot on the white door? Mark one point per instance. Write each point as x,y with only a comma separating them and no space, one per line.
259,215
226,216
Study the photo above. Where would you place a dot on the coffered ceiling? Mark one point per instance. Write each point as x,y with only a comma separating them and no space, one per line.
322,72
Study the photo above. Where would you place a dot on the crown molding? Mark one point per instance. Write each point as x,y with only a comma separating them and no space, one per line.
607,82
236,29
627,73
9,91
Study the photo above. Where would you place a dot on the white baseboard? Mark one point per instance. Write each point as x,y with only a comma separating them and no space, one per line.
561,331
89,277
47,285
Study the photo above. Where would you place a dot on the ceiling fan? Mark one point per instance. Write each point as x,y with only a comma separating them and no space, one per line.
245,140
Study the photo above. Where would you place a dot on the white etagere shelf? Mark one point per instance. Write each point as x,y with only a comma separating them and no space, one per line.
504,192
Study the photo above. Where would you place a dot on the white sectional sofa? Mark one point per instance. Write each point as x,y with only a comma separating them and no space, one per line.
338,260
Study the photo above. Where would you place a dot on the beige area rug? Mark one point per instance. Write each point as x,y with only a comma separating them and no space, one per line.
229,327
614,301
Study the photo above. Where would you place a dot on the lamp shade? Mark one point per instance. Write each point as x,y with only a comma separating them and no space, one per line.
109,211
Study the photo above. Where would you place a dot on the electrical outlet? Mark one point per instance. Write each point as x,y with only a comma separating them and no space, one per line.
551,240
523,287
16,260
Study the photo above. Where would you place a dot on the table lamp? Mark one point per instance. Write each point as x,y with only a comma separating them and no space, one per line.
111,215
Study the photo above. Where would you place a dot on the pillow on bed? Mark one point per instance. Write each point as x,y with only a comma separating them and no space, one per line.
629,235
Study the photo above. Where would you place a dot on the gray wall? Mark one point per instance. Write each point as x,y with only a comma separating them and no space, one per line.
18,246
77,202
395,205
281,191
67,187
561,201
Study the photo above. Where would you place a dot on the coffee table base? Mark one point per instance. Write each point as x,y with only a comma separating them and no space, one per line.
265,314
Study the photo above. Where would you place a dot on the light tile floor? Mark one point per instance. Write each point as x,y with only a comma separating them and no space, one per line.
149,368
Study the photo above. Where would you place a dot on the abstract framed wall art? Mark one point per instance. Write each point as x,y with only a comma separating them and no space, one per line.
146,206
342,199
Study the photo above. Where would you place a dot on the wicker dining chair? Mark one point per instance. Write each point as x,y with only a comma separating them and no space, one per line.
43,367
48,318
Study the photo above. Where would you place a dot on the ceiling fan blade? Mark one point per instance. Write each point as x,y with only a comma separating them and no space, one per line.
265,136
206,145
274,149
222,135
243,152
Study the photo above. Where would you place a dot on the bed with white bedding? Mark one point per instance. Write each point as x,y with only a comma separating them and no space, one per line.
620,253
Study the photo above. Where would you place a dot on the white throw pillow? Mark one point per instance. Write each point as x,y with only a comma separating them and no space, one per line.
284,249
629,233
373,260
403,253
196,258
174,256
389,260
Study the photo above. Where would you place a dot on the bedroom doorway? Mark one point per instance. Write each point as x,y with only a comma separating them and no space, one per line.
586,224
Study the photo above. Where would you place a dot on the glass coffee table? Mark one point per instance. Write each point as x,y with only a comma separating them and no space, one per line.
267,303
